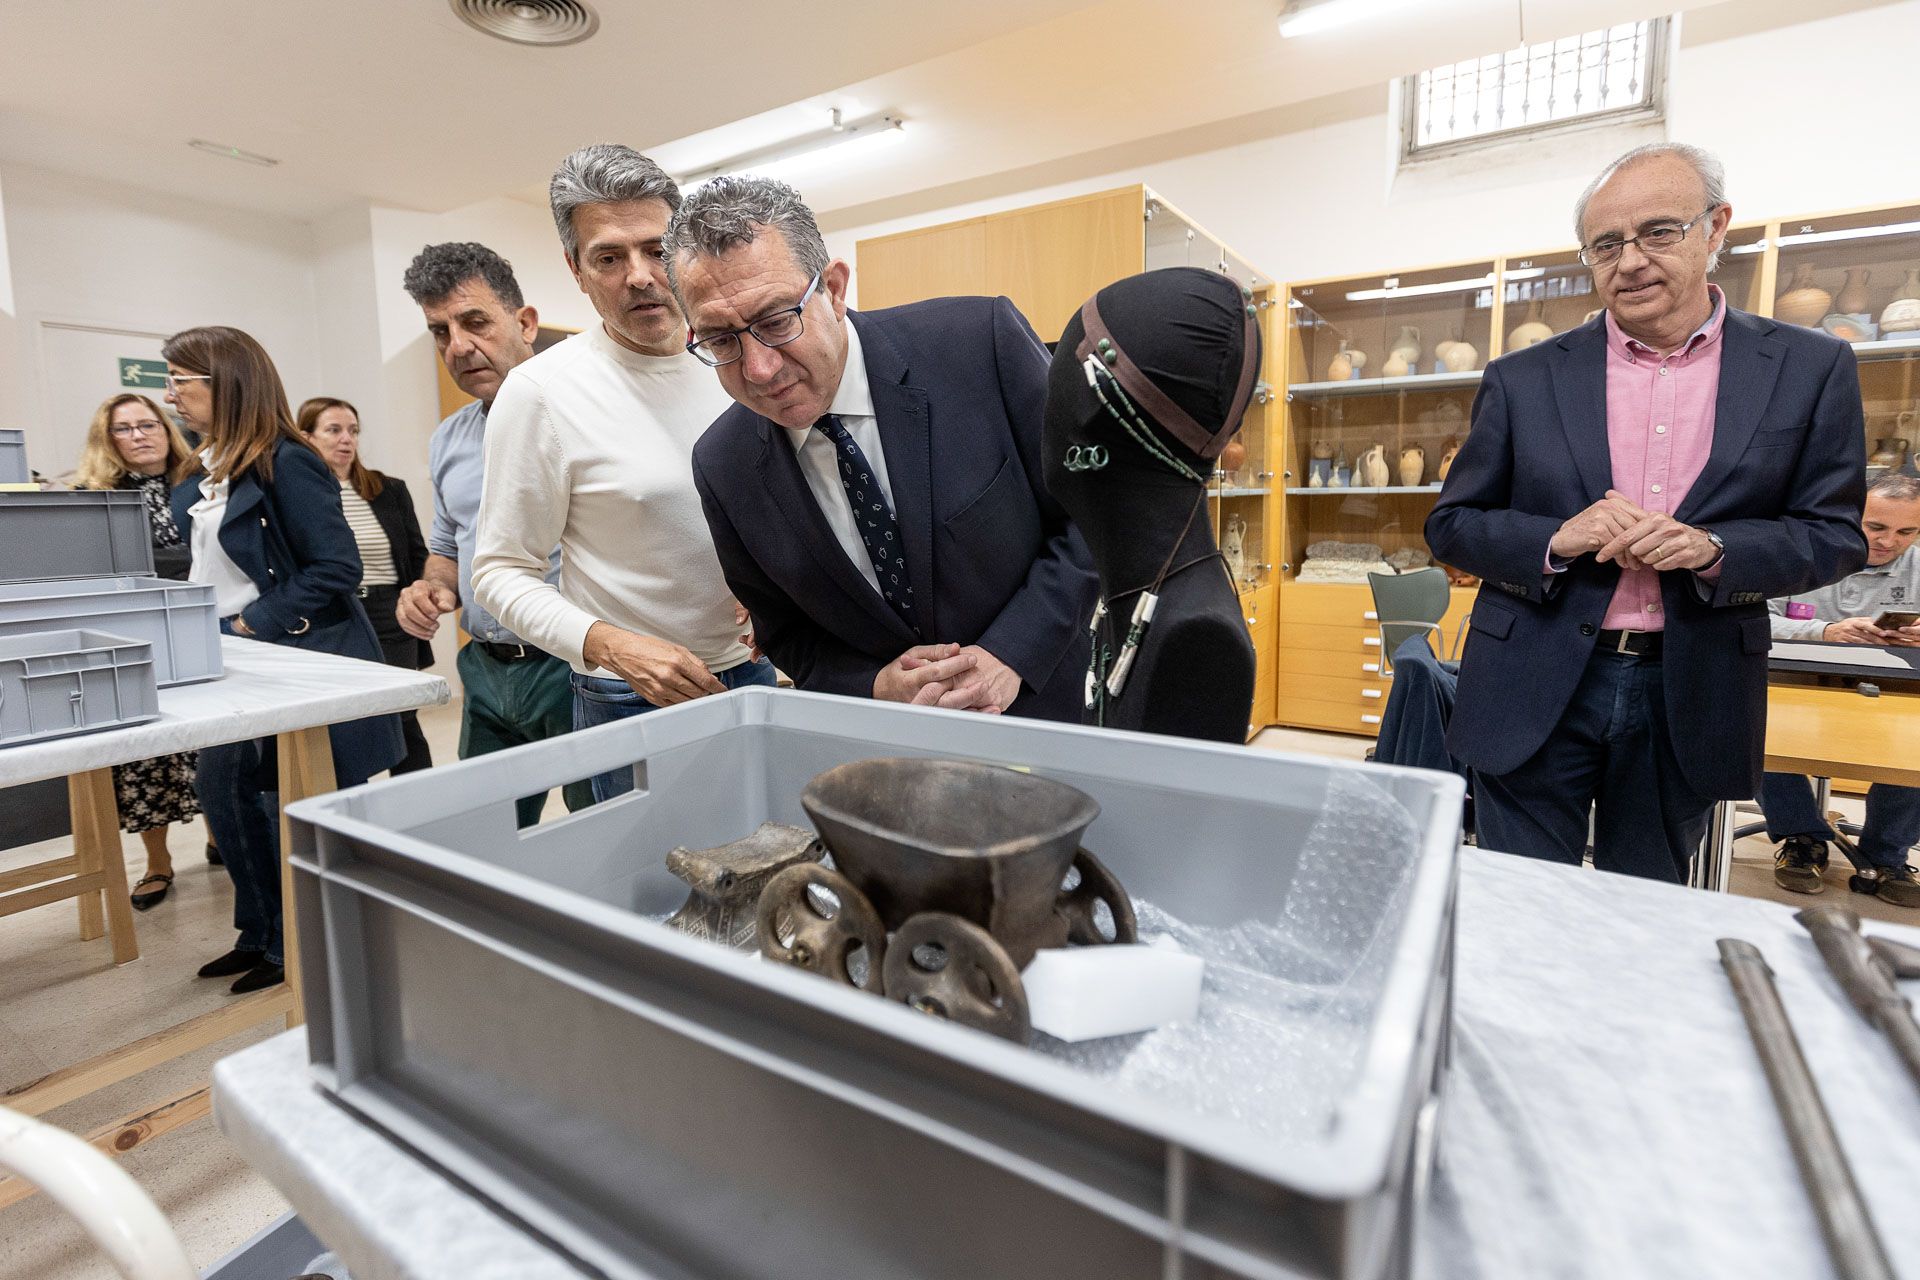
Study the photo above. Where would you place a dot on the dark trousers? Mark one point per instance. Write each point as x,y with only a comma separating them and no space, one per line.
597,700
400,650
1613,750
1892,826
509,704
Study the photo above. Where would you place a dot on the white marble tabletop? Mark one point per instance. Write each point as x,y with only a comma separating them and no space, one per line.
267,689
1606,1115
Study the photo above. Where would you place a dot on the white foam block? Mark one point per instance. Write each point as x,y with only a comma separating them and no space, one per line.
1083,993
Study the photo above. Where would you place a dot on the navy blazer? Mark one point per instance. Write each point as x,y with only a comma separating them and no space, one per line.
292,540
1783,488
959,391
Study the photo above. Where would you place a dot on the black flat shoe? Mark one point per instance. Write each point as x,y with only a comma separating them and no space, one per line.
235,961
147,901
259,978
213,855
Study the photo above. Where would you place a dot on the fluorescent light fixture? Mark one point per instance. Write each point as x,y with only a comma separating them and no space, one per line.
835,142
1302,19
1525,273
1758,246
1852,233
1421,290
232,153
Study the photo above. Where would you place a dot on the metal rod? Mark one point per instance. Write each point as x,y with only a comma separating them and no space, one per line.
1851,1238
1867,979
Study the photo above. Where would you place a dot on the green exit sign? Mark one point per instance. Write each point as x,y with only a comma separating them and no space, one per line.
148,375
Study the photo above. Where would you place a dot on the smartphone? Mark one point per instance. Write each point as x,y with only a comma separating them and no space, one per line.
1894,619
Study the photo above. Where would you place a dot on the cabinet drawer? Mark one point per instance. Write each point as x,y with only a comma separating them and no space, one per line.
1329,604
1354,691
1356,663
1354,640
1340,717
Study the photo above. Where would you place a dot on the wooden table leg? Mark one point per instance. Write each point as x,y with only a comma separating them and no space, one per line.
96,846
306,769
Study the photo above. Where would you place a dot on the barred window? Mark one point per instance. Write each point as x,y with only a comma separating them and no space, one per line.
1616,72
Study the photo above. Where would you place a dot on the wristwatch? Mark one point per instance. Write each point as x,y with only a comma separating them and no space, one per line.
1718,545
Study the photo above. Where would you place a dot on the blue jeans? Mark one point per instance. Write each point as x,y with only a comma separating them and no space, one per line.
601,701
1613,750
1892,826
243,816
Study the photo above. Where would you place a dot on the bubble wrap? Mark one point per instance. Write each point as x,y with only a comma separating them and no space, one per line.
1286,1004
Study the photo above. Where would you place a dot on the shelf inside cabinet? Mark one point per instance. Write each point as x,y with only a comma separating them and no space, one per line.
1378,386
1888,348
1234,492
1306,491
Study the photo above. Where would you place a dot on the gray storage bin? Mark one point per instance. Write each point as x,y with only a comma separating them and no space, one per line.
503,1002
13,456
179,619
54,683
80,533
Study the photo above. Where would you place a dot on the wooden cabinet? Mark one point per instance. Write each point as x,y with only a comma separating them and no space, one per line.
1329,672
1049,259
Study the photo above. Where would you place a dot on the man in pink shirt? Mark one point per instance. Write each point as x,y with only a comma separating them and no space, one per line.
1632,492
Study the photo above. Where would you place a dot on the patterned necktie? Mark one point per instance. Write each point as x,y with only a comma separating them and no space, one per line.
879,531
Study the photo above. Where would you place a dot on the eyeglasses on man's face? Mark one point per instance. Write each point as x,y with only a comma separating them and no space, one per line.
128,430
175,379
1661,237
775,330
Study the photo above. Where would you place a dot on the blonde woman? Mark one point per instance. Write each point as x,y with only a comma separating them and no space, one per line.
132,445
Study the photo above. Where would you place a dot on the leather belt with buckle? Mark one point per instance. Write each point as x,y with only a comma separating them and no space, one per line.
1638,644
509,652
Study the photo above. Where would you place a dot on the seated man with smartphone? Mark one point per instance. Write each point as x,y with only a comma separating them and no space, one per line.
1880,605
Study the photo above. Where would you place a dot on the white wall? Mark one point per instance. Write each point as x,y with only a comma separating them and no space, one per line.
123,258
1806,117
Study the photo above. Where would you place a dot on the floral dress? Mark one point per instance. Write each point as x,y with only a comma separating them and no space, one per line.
153,793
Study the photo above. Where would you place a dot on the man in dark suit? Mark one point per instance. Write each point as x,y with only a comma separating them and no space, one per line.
1632,492
875,495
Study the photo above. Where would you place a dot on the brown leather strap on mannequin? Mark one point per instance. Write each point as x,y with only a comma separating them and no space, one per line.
1100,343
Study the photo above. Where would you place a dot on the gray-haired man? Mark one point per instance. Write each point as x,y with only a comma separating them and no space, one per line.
482,328
589,446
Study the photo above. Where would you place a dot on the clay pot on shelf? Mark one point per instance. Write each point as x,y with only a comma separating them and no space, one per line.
1459,357
1413,466
1891,452
1531,331
1404,358
1852,298
1233,546
1346,363
1903,313
1342,472
1848,328
1804,302
1448,450
1233,456
1319,464
1372,471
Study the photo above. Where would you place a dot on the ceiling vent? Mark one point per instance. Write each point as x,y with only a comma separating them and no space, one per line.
543,22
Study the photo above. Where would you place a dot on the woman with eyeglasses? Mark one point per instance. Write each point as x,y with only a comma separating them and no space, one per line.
393,551
131,445
267,532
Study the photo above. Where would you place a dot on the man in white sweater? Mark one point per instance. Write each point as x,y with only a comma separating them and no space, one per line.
589,446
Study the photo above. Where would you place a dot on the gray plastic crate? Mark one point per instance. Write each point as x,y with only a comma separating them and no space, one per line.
13,456
179,619
503,1002
54,683
80,533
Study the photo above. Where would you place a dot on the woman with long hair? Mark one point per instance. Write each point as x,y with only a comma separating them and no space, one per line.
393,551
267,532
132,445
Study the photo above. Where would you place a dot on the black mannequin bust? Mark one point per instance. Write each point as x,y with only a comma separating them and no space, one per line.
1186,331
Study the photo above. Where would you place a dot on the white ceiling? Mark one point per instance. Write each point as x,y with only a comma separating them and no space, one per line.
397,102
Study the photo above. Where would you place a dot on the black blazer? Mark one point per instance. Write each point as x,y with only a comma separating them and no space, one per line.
1783,487
959,390
291,538
393,508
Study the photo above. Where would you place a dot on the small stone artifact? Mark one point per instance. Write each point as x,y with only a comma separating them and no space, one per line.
972,867
1902,315
727,880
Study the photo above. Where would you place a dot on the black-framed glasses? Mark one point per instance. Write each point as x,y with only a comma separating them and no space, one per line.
1661,237
775,330
127,430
